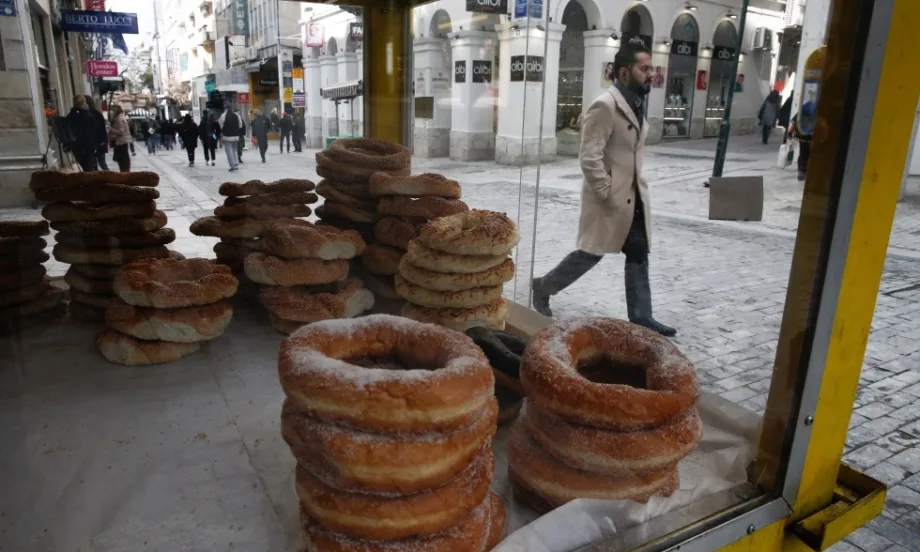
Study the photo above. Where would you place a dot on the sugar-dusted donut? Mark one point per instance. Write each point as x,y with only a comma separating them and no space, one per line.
395,232
82,255
257,187
113,227
465,299
275,271
478,232
301,239
423,207
386,373
69,211
369,153
346,212
550,375
442,281
397,516
182,325
306,304
331,193
343,171
490,315
438,261
276,198
163,236
119,348
497,527
241,211
240,228
23,228
173,283
348,459
420,185
381,260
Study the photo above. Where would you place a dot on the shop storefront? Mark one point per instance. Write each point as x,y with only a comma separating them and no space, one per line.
680,83
724,43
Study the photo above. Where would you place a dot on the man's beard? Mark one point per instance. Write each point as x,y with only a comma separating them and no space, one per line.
640,88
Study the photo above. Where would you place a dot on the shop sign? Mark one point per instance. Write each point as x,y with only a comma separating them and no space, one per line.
684,48
7,7
723,53
297,81
78,21
637,39
482,71
98,68
242,97
299,100
529,68
95,5
460,71
528,8
288,95
487,6
240,17
440,81
315,35
356,30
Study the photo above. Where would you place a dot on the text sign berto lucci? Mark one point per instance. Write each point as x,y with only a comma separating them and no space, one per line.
77,21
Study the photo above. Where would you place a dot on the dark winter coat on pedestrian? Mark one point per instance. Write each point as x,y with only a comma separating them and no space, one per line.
84,131
287,125
769,111
209,131
260,127
189,133
102,133
785,112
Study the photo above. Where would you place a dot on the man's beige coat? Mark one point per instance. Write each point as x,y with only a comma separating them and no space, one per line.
612,145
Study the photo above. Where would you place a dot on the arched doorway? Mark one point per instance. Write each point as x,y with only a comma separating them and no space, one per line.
724,44
440,25
572,67
637,27
433,88
332,47
681,80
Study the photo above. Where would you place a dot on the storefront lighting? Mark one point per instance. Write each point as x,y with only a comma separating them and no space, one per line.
666,42
732,15
690,7
540,27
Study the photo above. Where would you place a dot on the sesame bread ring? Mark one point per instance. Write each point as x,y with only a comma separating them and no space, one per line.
174,283
490,315
364,229
386,374
359,191
48,298
229,252
554,483
397,516
254,244
381,260
68,211
615,453
23,228
24,259
343,171
478,232
240,228
182,325
113,227
95,193
88,285
346,212
61,179
442,281
307,304
395,232
339,177
331,193
438,261
21,277
274,271
301,239
465,299
162,236
257,187
19,246
555,361
425,207
119,348
277,198
351,460
81,255
366,152
420,185
233,212
98,300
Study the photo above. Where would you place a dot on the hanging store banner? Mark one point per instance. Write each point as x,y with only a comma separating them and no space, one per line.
487,6
315,35
240,17
78,21
8,7
298,84
99,68
299,100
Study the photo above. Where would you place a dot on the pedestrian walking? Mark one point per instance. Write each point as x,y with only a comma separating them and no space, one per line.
166,134
615,208
84,133
102,134
188,132
230,125
242,141
769,114
132,127
209,133
275,120
260,127
287,126
121,136
297,120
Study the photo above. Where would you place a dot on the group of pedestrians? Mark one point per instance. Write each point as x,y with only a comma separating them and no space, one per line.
90,135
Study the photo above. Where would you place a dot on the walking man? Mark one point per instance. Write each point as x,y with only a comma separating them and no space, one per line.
260,127
287,126
209,132
615,209
230,125
242,141
297,120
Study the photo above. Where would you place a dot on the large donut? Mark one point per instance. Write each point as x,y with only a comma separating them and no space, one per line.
490,315
257,187
24,259
478,232
274,271
331,193
381,260
340,371
95,193
448,263
307,304
421,185
78,281
22,277
173,283
113,227
347,459
369,153
497,527
346,212
397,516
424,207
162,236
182,325
18,246
23,228
395,232
69,211
342,171
277,198
536,472
233,212
241,228
550,375
615,452
300,239
465,299
81,255
442,281
119,348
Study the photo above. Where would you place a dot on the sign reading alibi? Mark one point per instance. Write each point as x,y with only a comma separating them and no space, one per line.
78,21
241,17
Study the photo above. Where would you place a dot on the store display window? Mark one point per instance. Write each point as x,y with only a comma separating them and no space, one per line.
724,53
680,83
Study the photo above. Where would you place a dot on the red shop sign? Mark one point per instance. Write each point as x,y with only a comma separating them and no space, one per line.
98,68
242,97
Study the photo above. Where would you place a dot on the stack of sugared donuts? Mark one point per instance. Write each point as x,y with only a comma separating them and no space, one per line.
247,211
453,274
391,422
405,203
611,411
103,220
26,297
165,309
304,274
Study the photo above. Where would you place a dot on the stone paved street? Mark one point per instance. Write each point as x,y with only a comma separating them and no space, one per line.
721,283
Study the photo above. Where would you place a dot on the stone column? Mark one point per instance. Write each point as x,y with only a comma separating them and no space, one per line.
472,133
329,76
359,103
520,103
348,72
314,116
433,78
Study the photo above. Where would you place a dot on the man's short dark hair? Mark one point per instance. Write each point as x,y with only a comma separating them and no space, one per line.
626,56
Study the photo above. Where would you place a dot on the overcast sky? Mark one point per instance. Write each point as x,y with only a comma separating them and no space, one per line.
144,11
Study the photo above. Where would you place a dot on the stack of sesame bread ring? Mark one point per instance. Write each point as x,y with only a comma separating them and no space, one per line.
391,423
248,209
165,309
26,297
103,220
611,411
303,272
453,274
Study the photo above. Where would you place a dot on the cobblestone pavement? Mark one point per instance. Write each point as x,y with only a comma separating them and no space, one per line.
722,284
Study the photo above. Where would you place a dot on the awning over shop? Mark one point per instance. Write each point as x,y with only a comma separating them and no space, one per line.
345,91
